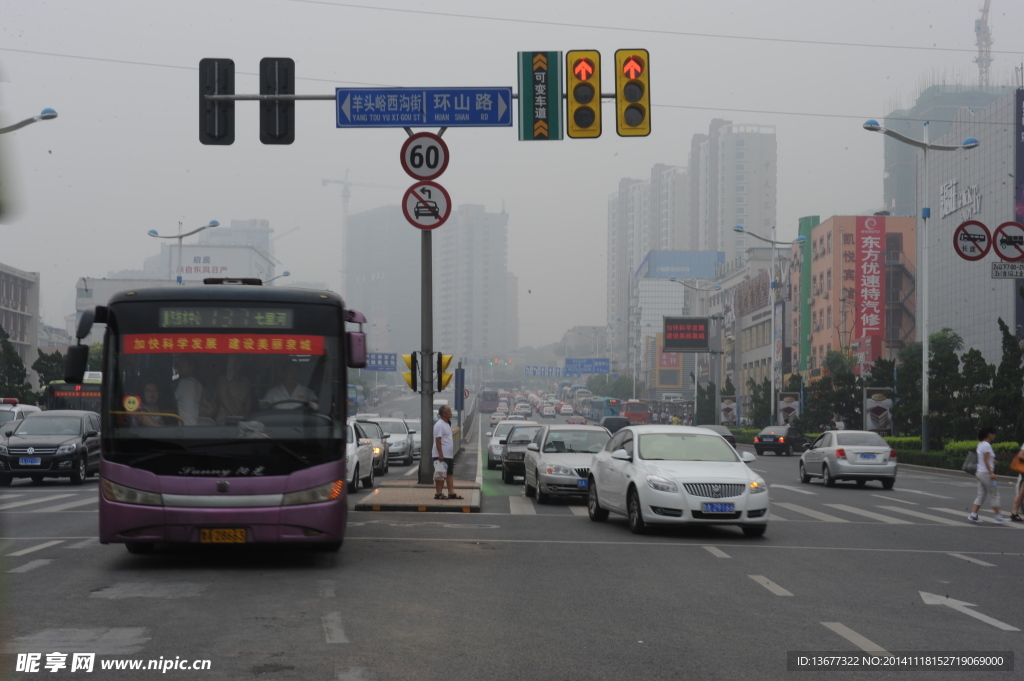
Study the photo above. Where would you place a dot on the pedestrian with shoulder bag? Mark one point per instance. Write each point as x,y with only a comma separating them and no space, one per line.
1018,465
987,484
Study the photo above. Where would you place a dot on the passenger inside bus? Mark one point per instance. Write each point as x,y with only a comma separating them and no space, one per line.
289,394
150,412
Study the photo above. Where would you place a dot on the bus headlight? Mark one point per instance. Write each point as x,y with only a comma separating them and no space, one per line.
314,495
127,495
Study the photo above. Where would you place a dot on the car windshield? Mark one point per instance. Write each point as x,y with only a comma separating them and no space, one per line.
861,439
721,430
393,427
684,447
413,425
521,436
502,430
63,425
574,441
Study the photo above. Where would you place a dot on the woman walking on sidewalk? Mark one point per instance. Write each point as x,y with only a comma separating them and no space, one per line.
986,477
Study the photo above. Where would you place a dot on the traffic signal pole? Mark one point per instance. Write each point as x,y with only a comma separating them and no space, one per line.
426,473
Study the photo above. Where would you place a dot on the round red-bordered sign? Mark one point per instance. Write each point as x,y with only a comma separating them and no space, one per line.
424,156
972,240
426,205
1008,241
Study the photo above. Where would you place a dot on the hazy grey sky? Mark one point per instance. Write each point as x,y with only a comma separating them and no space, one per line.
124,157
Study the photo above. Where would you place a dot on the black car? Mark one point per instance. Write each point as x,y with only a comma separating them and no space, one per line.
614,423
780,440
724,432
51,444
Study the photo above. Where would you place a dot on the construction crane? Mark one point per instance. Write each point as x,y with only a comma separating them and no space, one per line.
984,43
346,194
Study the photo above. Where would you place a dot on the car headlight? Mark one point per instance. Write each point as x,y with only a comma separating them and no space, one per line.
3,449
127,495
661,484
559,470
758,486
377,450
495,449
514,456
67,449
314,495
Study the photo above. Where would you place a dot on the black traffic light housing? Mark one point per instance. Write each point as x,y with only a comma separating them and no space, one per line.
277,117
216,118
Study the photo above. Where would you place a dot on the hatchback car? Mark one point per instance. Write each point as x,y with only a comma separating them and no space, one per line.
513,452
724,432
557,462
779,440
858,455
61,443
497,439
676,475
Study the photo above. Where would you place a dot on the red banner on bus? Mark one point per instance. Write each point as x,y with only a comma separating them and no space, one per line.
222,343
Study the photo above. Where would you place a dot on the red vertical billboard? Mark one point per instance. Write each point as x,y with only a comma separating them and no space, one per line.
870,282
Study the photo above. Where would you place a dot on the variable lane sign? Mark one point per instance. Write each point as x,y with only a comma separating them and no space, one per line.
445,107
426,205
971,240
540,95
1008,240
424,156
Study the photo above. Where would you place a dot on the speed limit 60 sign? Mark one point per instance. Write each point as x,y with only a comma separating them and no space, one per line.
424,156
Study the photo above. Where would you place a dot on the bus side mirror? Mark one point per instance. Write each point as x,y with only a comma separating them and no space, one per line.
85,323
356,349
75,363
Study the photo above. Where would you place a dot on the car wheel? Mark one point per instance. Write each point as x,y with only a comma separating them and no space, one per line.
506,476
368,480
826,477
542,498
408,460
353,484
37,479
78,475
594,510
757,451
861,483
140,548
5,480
387,466
755,530
636,518
888,483
490,465
530,489
789,451
804,478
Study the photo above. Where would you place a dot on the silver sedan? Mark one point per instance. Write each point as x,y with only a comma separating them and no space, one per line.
858,455
557,463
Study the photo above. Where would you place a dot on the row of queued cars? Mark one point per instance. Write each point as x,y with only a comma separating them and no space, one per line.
38,444
373,442
652,474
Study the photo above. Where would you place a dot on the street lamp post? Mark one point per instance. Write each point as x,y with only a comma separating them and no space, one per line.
924,146
286,273
773,407
46,115
714,361
179,236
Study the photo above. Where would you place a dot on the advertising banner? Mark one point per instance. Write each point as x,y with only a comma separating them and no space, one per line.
686,334
869,316
878,408
727,413
788,407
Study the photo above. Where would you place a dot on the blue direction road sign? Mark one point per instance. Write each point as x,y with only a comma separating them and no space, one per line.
431,107
587,366
381,361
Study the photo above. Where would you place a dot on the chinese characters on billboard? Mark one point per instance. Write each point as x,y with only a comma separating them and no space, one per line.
869,321
686,334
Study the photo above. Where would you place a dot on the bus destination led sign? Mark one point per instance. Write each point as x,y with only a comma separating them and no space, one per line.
225,318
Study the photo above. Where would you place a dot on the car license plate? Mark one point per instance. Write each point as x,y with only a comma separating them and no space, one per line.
767,439
867,456
581,483
222,535
30,462
719,508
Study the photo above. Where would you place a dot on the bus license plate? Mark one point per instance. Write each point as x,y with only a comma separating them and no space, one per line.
719,508
30,462
222,535
581,484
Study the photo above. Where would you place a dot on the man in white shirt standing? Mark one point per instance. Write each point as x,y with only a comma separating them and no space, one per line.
443,450
986,477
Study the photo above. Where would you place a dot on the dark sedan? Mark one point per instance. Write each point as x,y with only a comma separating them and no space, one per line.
724,432
783,440
51,444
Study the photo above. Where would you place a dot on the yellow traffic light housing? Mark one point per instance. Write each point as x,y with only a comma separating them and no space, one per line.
443,379
632,93
411,376
583,93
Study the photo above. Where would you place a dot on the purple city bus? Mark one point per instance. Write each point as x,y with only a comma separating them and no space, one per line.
223,414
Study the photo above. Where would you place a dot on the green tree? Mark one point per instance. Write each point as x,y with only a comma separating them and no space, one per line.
971,412
818,401
50,367
95,357
13,372
945,383
760,409
844,401
906,411
729,388
1005,397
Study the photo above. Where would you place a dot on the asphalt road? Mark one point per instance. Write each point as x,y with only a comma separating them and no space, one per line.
526,591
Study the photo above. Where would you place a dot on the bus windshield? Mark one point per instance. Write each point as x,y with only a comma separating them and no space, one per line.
84,396
211,391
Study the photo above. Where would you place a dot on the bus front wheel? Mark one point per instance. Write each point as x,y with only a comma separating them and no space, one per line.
140,548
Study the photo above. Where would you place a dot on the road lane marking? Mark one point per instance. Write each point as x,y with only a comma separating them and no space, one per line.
870,514
882,496
333,629
87,543
17,504
855,638
31,565
101,640
927,494
579,510
122,590
965,608
412,471
521,506
923,516
62,507
770,585
972,560
792,489
717,552
10,496
32,549
987,521
812,513
772,516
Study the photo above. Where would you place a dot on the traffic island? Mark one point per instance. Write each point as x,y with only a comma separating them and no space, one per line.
411,496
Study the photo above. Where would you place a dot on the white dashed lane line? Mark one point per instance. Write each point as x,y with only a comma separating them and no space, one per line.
770,585
32,549
717,552
855,638
817,515
972,560
31,565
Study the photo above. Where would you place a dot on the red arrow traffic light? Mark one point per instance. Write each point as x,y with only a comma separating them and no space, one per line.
632,68
583,68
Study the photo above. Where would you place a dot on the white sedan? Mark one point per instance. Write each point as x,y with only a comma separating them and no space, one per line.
566,409
676,475
358,460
